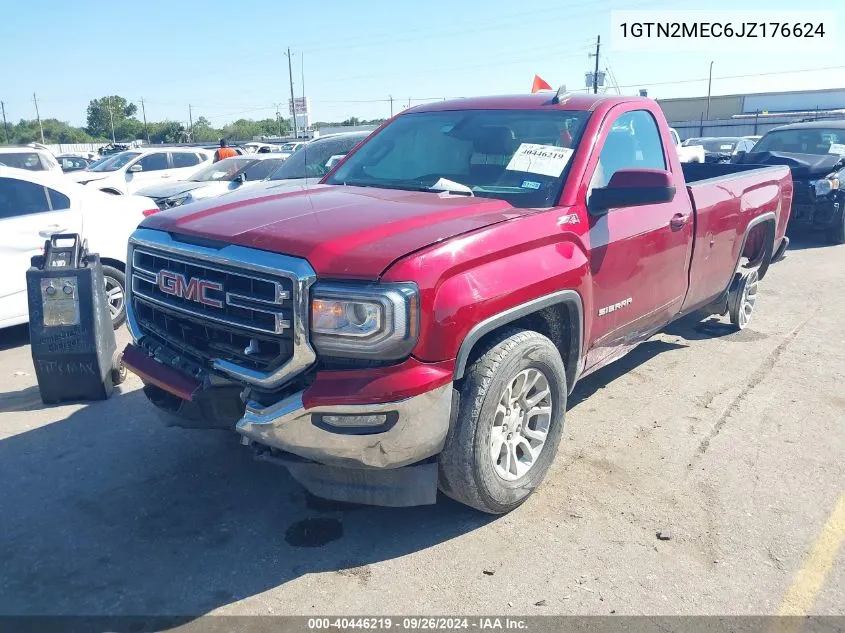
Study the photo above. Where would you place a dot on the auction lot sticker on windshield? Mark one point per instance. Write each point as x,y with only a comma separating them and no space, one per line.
837,148
547,160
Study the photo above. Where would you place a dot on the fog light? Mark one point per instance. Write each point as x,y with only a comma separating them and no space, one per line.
355,421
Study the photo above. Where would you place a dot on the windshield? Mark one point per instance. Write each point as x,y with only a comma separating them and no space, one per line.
803,141
716,145
225,169
22,160
113,163
315,159
515,155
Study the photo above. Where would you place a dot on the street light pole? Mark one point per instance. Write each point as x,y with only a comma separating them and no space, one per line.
709,85
292,100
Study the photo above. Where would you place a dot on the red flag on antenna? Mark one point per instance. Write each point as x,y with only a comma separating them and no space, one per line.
539,85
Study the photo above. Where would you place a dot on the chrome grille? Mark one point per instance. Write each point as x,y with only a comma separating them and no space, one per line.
249,319
249,301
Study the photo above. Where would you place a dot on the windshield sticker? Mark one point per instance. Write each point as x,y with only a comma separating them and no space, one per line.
837,148
546,160
726,146
531,184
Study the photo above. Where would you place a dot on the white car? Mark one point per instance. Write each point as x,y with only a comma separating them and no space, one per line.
29,158
687,153
129,171
36,205
307,166
213,180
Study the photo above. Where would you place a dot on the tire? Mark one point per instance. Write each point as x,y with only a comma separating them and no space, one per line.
118,371
837,234
743,298
468,472
115,278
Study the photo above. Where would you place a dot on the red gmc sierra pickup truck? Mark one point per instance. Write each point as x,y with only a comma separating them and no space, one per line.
418,320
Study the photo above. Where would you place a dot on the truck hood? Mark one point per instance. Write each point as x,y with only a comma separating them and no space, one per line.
802,166
343,231
166,190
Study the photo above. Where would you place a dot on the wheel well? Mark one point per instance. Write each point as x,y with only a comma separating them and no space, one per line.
758,247
108,261
561,322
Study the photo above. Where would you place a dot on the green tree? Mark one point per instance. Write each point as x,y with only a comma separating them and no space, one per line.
203,131
168,132
101,112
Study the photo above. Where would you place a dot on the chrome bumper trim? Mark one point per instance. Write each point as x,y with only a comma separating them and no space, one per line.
419,432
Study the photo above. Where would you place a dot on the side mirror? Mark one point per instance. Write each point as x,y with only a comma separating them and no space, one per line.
632,188
136,168
239,179
737,157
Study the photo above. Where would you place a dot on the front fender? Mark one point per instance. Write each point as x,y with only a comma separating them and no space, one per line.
474,283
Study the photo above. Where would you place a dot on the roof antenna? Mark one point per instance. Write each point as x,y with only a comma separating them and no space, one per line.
560,93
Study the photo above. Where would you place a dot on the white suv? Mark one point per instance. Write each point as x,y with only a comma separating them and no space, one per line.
127,172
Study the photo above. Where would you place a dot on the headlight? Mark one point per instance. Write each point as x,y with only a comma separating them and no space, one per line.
825,186
177,201
378,321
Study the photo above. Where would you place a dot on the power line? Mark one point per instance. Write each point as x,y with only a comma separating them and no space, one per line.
746,76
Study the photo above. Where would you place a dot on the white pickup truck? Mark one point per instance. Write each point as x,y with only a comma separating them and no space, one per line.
687,154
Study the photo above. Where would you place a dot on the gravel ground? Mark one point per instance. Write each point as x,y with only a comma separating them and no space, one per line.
730,445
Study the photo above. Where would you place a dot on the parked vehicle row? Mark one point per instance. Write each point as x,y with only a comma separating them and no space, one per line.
418,319
720,149
129,171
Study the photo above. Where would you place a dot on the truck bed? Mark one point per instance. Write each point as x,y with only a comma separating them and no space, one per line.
728,199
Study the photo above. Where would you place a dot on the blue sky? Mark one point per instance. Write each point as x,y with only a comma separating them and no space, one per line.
226,58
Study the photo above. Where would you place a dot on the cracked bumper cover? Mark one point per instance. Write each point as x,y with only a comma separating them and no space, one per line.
418,430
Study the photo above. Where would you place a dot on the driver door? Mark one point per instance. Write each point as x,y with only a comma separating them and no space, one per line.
639,254
154,167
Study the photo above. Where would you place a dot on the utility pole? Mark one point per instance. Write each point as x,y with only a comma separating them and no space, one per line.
292,102
409,102
391,105
596,71
190,124
709,85
144,111
304,105
5,125
38,116
279,118
111,118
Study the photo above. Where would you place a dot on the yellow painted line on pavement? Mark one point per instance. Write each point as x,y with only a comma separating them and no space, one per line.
809,580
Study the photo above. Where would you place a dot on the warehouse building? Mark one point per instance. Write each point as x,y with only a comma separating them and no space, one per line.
750,114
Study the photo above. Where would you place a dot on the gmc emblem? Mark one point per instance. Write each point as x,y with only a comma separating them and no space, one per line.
196,289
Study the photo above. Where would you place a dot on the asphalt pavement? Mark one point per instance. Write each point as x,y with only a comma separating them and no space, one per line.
701,474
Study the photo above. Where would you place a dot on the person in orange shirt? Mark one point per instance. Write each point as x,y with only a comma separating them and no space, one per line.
224,151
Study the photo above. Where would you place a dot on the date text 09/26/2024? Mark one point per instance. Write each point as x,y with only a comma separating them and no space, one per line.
488,623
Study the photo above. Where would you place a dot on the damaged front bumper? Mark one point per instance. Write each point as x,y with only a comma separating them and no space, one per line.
343,438
398,433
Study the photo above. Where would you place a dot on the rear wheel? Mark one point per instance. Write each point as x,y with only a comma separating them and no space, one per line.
509,423
743,298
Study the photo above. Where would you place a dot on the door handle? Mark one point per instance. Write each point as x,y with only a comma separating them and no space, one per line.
51,229
678,221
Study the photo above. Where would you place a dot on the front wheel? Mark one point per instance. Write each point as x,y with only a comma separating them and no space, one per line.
509,424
